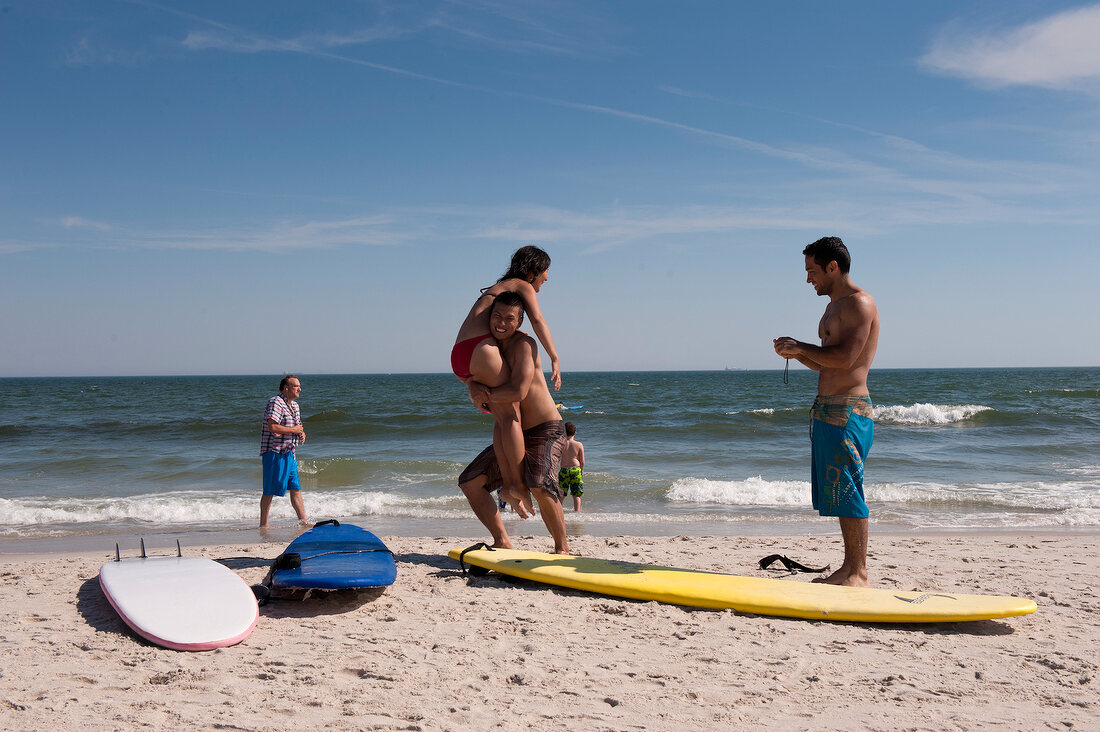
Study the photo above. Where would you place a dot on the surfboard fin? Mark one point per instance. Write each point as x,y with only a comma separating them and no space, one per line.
179,552
262,593
118,557
143,548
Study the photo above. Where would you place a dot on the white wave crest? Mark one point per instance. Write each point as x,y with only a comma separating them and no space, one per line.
927,414
1033,495
1084,471
751,492
762,410
1018,496
181,508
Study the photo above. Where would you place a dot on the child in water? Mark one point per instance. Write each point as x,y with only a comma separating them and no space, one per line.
571,474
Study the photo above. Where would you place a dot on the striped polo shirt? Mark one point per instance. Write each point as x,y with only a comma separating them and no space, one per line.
285,414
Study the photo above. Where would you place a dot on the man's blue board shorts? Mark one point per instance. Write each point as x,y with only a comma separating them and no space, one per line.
280,473
841,432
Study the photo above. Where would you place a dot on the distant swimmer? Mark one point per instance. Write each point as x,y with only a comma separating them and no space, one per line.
280,432
841,418
477,356
543,431
571,472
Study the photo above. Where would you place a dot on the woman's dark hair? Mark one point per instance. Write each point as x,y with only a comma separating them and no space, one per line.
527,263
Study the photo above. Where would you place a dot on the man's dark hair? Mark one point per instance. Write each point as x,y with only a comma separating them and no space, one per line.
527,263
570,429
287,378
509,299
829,249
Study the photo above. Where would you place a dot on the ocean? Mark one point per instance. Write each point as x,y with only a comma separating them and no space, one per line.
87,460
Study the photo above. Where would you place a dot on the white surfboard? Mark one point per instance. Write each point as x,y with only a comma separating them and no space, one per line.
184,603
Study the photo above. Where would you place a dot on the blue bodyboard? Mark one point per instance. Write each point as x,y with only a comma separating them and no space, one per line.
336,557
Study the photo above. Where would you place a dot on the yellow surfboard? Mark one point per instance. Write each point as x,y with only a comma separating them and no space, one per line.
758,595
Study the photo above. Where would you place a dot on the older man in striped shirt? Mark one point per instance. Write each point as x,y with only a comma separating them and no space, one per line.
280,433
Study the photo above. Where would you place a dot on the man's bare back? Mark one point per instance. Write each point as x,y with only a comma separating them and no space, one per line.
572,454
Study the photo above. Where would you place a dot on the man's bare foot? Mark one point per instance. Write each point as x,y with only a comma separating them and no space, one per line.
504,544
521,504
304,522
265,526
845,578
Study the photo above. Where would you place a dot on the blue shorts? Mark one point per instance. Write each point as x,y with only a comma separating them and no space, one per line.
280,473
836,462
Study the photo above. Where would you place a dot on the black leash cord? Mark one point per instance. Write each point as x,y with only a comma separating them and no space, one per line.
472,569
789,563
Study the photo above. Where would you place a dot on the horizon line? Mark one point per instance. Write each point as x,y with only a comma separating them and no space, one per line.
448,373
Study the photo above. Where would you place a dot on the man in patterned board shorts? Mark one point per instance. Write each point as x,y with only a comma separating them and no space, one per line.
280,433
841,429
571,474
543,432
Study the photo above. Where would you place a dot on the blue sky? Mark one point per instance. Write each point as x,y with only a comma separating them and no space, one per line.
260,187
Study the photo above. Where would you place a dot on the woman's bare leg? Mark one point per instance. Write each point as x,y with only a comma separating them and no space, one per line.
509,448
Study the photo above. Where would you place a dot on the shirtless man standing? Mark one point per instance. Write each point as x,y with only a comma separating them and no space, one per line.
543,431
841,426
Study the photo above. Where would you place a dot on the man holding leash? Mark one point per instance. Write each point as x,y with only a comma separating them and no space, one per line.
841,419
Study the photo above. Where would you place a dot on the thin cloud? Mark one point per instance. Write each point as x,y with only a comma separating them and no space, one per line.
600,230
814,158
14,247
689,94
488,24
237,41
250,41
603,229
228,38
1058,52
856,206
76,222
366,230
360,231
531,28
929,170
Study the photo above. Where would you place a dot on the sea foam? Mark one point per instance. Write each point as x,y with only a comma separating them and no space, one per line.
750,492
186,508
927,414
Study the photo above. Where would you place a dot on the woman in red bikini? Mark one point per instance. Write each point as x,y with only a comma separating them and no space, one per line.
477,357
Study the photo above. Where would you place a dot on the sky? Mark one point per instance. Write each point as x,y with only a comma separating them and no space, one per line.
264,187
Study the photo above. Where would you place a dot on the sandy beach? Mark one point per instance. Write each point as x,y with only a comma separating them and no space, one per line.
440,651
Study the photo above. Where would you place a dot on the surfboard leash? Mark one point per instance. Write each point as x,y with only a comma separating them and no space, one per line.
790,564
471,569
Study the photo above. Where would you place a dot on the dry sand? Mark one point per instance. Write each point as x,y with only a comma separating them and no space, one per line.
437,651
